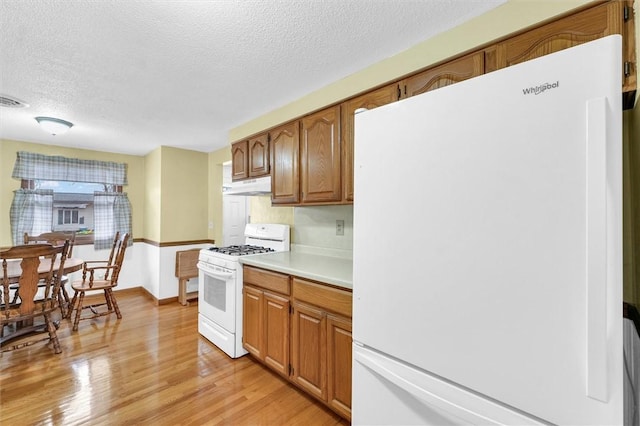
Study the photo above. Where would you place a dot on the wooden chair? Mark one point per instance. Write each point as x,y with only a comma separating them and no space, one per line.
53,238
56,239
20,317
103,276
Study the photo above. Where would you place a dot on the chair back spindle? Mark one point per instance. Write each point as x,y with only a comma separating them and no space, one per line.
54,238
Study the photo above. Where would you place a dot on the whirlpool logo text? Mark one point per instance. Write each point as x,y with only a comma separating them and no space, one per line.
540,89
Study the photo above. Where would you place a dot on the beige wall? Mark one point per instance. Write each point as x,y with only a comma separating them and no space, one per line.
184,196
216,158
261,211
153,195
8,150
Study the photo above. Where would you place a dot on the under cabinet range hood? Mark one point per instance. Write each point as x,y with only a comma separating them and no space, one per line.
257,186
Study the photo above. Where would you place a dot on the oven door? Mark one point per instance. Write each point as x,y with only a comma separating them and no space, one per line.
216,295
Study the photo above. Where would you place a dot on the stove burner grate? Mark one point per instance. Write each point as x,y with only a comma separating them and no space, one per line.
241,250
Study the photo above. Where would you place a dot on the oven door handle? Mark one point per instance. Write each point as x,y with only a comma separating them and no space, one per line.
216,274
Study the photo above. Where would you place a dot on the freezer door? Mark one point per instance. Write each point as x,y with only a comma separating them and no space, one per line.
400,394
488,234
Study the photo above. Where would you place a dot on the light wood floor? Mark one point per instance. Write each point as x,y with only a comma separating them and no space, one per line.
150,367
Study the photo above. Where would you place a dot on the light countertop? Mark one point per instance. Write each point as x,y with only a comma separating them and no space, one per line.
336,271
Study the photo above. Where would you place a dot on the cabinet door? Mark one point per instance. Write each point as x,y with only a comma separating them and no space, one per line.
382,96
452,72
582,27
276,333
320,157
285,177
240,160
339,364
252,321
259,156
309,350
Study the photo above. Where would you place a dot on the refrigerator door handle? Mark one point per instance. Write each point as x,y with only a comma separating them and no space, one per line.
596,253
472,409
417,392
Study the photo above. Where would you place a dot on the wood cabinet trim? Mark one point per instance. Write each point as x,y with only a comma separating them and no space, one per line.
320,157
578,28
239,160
371,100
266,279
309,350
276,332
325,297
285,163
339,363
451,72
253,341
258,156
582,26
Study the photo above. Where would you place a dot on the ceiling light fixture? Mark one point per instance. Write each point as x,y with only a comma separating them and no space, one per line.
55,126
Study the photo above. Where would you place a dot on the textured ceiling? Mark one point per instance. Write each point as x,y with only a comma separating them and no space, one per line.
135,75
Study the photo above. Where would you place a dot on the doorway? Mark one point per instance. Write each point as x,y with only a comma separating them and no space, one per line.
234,212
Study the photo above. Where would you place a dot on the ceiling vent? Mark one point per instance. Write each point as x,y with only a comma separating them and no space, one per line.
9,102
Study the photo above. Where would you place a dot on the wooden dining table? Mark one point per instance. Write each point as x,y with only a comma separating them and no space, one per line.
14,270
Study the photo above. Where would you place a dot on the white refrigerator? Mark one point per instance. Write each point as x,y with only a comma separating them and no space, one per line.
487,248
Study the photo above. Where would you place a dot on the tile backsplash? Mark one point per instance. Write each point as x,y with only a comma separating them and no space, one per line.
316,226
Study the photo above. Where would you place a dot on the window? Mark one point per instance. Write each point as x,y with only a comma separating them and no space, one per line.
73,205
67,194
66,217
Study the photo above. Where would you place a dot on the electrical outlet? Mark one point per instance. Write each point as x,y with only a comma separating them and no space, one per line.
339,227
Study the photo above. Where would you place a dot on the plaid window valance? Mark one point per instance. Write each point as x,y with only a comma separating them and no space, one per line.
34,166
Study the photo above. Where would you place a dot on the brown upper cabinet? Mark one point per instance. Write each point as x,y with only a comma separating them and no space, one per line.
614,17
384,95
250,158
285,158
240,160
443,75
320,157
312,158
259,156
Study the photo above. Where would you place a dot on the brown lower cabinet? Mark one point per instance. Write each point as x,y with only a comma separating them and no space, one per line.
339,340
302,330
266,328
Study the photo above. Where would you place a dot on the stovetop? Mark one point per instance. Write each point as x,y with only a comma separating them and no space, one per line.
259,239
241,250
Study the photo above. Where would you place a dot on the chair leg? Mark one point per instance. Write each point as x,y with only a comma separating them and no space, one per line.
78,311
114,303
73,304
52,334
63,299
107,299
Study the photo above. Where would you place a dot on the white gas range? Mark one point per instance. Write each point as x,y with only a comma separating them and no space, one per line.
220,284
